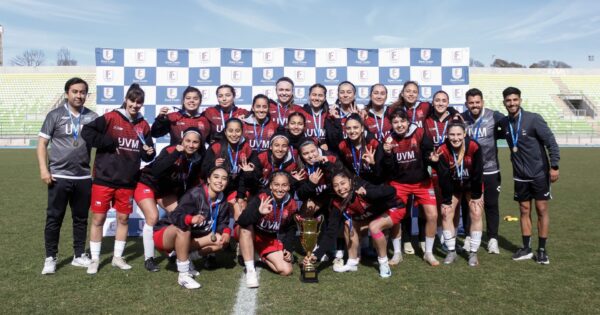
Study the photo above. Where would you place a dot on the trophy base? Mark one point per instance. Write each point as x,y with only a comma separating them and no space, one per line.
308,276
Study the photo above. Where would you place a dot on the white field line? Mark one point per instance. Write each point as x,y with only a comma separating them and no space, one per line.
245,302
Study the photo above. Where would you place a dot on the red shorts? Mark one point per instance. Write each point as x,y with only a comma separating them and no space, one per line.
120,198
143,191
158,239
423,192
396,214
265,245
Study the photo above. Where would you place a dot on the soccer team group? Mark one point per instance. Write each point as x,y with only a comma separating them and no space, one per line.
233,173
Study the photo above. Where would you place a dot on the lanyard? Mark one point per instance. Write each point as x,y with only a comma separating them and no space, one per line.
379,128
279,119
213,213
515,135
74,127
437,132
318,123
280,212
233,162
356,160
186,176
311,169
222,119
140,134
259,139
459,168
347,217
414,117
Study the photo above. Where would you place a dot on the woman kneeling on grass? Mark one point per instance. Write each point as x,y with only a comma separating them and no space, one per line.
268,214
462,157
365,205
198,223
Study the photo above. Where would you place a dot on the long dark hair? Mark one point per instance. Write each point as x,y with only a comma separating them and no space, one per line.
400,103
134,94
369,105
325,105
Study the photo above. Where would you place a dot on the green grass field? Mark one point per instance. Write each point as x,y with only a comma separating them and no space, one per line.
570,284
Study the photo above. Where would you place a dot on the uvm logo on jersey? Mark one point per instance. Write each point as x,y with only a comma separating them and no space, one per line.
407,156
128,144
109,57
362,57
173,57
299,57
236,57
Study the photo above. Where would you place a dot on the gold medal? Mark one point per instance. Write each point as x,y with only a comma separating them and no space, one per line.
389,140
515,149
213,237
75,143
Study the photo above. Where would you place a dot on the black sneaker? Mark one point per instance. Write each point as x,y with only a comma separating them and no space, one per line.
522,254
542,257
151,265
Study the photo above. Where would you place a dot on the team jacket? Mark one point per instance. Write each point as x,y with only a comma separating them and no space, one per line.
352,159
271,225
217,117
172,172
408,161
222,149
379,126
119,148
315,124
306,189
280,114
193,202
379,199
435,129
486,131
450,178
176,123
417,113
258,135
531,160
266,166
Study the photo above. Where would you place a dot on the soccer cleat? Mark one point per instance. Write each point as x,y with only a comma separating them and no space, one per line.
185,280
93,267
396,259
408,248
120,263
81,261
522,254
450,257
542,257
49,266
251,279
193,272
385,271
467,244
493,246
429,258
473,261
345,268
151,265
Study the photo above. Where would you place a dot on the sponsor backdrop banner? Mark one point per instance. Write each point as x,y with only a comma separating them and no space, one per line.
164,73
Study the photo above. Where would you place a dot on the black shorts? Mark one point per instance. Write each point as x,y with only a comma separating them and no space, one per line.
538,189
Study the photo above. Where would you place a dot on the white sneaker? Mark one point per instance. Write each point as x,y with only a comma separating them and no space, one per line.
193,272
385,271
49,266
345,268
396,259
467,244
338,263
408,248
120,263
252,279
185,280
493,246
81,261
92,268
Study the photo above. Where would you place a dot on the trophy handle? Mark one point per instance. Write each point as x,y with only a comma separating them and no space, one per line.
319,223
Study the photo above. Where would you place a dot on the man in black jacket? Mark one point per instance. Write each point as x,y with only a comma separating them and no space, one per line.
528,137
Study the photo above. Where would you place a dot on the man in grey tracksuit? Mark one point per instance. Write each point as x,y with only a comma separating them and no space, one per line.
528,137
483,126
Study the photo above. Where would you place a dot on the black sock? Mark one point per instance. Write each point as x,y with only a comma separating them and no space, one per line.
526,241
542,242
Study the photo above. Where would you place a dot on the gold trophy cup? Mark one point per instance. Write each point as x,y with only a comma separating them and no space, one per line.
309,233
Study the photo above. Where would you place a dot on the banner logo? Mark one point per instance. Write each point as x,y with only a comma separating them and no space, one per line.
140,73
108,92
204,74
394,73
331,73
172,55
299,54
172,93
107,54
425,54
236,55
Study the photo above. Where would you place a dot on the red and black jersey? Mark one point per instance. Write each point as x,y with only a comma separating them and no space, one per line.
379,126
352,158
172,172
233,155
466,176
258,134
196,201
407,163
335,131
378,199
120,148
217,117
176,123
307,189
418,113
267,166
315,124
436,130
280,114
280,219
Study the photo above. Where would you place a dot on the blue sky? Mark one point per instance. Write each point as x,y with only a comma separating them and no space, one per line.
519,31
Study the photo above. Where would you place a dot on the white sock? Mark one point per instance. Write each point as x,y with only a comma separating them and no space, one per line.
148,240
396,244
249,265
382,260
352,261
95,249
475,240
183,266
339,254
450,240
119,248
429,244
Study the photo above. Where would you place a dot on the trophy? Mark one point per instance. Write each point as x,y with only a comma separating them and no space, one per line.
309,233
